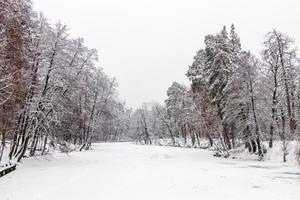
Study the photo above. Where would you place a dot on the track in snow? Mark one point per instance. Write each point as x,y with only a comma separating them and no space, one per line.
123,171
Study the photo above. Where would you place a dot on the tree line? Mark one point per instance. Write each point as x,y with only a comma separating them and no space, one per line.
235,97
52,93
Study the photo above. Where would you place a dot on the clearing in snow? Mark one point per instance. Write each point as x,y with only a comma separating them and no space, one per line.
113,171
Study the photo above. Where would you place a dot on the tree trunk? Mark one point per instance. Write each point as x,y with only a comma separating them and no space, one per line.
44,145
282,136
23,149
257,135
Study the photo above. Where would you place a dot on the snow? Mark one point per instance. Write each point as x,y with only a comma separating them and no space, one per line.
180,142
113,171
273,155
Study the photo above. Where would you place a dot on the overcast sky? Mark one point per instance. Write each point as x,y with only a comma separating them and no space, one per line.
147,44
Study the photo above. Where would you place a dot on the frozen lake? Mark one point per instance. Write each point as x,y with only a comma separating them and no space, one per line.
116,171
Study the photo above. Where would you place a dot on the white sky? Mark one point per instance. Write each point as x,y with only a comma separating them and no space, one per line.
147,44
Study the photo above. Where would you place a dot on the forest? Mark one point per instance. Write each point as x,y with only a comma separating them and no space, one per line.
52,93
54,96
235,99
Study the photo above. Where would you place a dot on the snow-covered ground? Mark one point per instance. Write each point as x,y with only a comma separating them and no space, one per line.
130,172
